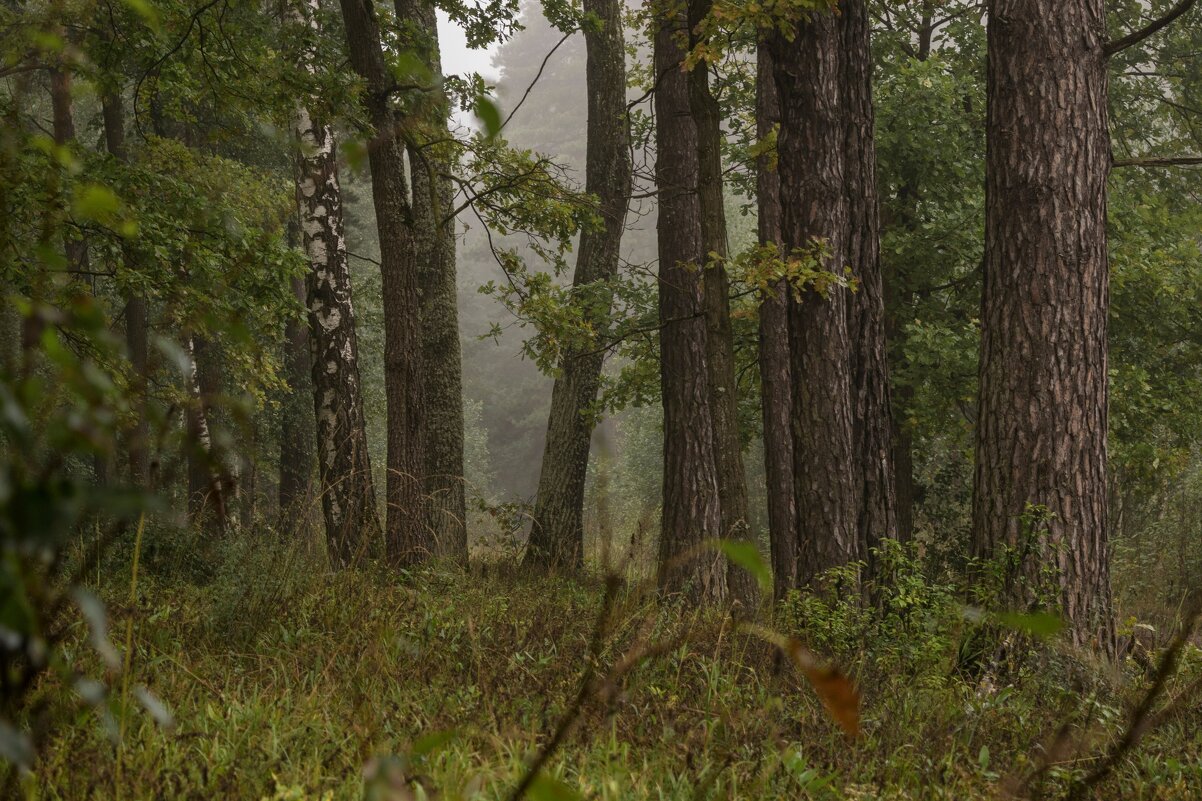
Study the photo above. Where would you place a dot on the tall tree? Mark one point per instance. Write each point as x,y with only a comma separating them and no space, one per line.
720,348
776,386
814,223
872,427
406,535
137,323
297,431
433,200
347,491
691,510
557,533
1040,485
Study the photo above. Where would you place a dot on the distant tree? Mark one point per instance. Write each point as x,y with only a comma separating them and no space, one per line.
691,508
406,534
557,529
814,223
1039,497
344,466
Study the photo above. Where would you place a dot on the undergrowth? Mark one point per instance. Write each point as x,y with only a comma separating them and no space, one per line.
287,682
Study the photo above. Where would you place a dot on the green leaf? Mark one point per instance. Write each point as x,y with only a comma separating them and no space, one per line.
147,12
546,788
430,743
489,115
747,556
1038,624
95,202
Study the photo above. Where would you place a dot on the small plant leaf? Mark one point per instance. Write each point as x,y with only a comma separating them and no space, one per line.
547,788
747,556
1037,624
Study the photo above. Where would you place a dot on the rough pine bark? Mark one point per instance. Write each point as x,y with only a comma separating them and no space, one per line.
433,200
407,539
691,511
720,348
348,496
776,388
872,420
810,152
1040,484
557,531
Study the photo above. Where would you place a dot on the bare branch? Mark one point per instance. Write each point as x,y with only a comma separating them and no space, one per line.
1135,37
1155,161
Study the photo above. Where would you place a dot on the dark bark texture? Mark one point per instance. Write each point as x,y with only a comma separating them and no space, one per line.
557,531
348,496
407,539
433,200
297,431
776,387
1041,434
814,215
691,511
720,348
871,406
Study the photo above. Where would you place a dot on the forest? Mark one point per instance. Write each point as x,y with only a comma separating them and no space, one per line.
601,399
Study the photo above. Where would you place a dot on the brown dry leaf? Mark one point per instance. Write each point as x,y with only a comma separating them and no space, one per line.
837,692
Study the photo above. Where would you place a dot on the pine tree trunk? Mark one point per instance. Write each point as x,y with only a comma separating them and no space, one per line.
557,532
433,200
691,511
348,496
1041,435
776,387
872,423
407,539
814,214
720,349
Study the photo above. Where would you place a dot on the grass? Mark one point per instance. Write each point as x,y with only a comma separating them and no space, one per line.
286,682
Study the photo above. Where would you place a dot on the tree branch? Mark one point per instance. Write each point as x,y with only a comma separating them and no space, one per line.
1135,37
1155,161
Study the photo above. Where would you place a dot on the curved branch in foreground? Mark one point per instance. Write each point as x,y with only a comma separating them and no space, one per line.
1135,37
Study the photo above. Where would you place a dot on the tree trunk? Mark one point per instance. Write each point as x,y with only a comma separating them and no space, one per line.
208,480
407,538
557,533
433,199
1040,484
348,496
720,348
137,326
872,421
814,225
297,434
776,388
691,511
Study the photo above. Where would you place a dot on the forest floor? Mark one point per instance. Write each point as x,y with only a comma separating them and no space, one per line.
297,684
